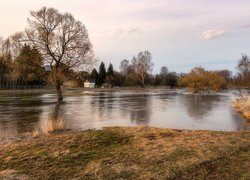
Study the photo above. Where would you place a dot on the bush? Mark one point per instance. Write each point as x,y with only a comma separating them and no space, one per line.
201,80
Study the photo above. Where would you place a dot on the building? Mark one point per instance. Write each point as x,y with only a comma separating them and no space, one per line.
89,83
47,68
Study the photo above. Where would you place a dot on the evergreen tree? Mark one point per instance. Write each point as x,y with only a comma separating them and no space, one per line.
110,71
102,74
4,70
29,66
94,75
110,75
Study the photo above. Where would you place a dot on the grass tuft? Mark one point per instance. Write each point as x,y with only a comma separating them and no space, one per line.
49,127
243,106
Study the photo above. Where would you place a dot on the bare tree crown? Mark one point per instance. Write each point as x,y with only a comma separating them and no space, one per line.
59,38
142,65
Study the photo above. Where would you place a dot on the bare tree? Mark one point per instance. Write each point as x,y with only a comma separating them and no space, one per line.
164,71
11,46
124,67
244,68
142,65
62,41
1,45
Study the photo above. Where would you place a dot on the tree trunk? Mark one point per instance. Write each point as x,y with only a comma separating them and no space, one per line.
58,91
142,83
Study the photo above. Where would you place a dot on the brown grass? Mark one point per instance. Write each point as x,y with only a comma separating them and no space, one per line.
243,106
131,153
49,127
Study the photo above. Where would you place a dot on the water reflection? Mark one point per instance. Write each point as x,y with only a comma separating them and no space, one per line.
140,111
56,111
199,106
18,114
165,109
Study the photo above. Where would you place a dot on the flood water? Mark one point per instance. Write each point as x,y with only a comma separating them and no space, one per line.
21,113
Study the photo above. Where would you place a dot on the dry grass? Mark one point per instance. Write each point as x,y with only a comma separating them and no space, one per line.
131,153
49,127
243,106
11,174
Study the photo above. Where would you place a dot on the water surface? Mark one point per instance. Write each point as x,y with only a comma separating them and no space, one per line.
20,113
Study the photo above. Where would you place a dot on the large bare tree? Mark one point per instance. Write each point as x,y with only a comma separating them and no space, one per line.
142,65
62,40
124,65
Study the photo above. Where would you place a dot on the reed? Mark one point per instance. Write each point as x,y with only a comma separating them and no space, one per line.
50,126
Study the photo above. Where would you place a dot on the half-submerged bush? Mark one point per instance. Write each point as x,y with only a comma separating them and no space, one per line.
49,127
199,80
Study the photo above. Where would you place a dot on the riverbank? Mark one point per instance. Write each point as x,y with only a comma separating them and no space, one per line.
243,106
133,153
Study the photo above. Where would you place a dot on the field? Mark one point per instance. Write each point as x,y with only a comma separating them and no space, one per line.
129,153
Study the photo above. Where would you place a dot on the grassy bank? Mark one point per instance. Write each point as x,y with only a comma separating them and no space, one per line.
243,106
134,153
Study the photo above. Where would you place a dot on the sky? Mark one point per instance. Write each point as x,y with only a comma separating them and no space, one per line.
180,34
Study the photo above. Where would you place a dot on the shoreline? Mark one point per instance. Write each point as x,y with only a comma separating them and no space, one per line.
132,152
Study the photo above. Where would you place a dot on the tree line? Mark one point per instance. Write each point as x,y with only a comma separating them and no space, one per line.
60,42
27,68
138,72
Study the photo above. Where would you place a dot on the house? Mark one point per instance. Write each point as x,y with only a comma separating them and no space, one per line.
47,68
89,83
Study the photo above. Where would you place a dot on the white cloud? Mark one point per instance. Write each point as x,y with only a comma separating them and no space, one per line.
121,31
125,32
213,33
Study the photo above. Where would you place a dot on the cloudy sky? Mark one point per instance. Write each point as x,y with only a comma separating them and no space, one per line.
180,34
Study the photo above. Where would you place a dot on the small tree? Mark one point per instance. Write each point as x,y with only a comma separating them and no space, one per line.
171,79
102,74
5,69
110,71
164,71
94,75
62,40
142,65
244,69
110,75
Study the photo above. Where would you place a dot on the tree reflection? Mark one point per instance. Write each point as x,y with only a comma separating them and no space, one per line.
140,109
56,111
198,106
19,114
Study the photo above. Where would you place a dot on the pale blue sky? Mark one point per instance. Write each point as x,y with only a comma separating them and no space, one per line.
180,34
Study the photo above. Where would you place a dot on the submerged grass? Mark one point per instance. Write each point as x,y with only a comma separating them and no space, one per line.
130,153
48,127
243,106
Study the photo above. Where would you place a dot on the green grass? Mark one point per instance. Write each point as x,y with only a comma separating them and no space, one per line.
130,153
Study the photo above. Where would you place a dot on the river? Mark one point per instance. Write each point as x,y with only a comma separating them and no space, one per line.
81,109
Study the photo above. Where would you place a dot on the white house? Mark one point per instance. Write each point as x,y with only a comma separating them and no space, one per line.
89,83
